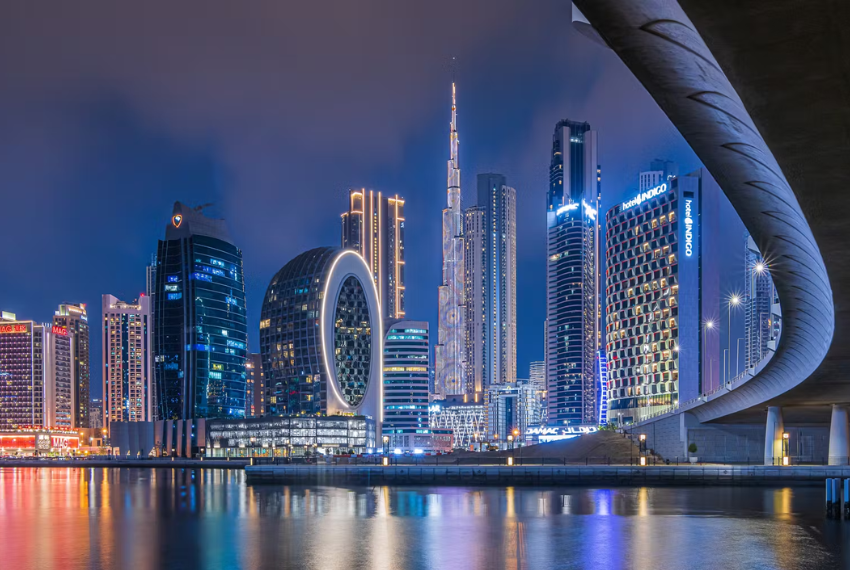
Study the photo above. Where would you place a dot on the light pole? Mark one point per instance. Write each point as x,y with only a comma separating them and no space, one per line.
709,325
737,354
734,301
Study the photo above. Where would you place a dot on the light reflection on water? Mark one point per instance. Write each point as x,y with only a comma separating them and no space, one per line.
173,518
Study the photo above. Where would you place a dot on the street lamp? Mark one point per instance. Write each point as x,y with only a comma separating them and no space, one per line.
786,440
709,325
734,301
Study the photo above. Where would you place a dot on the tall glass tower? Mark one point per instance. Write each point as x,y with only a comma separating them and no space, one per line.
449,353
572,276
490,296
76,320
200,329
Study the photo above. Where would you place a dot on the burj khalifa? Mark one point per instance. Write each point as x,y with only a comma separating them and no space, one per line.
449,353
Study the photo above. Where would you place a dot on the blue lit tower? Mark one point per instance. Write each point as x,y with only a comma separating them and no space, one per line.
572,273
405,380
450,351
200,331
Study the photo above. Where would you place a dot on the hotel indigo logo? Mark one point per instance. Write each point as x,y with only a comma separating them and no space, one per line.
640,198
689,229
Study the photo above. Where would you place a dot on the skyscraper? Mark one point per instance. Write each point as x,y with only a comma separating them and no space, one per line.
762,315
21,372
373,226
572,275
256,386
406,384
60,406
200,329
128,370
76,320
450,350
490,288
660,171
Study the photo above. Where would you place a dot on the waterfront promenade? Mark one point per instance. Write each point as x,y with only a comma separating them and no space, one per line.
119,463
453,475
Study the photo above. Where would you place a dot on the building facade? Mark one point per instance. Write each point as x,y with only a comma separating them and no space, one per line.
255,390
200,329
96,413
60,406
321,337
762,316
406,347
662,291
76,320
450,350
490,288
373,226
464,415
129,390
572,276
21,372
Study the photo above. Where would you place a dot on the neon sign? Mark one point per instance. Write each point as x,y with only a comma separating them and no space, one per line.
566,208
569,430
689,228
643,196
62,331
177,219
589,210
7,329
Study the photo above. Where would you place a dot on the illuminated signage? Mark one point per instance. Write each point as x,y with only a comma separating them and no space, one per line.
547,434
566,208
643,196
177,219
59,330
689,228
589,210
7,329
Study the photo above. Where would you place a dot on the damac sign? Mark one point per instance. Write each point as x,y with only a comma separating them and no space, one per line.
689,229
643,196
571,430
60,330
7,329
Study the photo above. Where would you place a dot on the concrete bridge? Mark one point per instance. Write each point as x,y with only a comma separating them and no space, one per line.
761,92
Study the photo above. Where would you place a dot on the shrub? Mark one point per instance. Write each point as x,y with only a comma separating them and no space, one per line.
692,448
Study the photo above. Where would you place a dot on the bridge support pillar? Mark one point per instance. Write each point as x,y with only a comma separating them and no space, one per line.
773,436
839,436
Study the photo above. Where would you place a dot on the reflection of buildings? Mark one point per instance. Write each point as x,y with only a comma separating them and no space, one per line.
75,319
200,329
762,314
21,372
373,226
572,270
490,288
662,286
128,387
464,415
450,350
320,337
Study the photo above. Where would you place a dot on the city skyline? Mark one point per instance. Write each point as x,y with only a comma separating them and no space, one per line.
503,131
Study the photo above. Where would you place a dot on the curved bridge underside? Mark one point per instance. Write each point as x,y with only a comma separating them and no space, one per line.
761,92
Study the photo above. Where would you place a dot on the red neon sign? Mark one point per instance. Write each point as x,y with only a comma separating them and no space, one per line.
60,330
6,329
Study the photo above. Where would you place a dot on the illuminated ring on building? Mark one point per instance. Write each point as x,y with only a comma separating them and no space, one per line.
347,264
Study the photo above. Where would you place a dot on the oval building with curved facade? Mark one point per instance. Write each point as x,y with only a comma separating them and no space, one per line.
321,337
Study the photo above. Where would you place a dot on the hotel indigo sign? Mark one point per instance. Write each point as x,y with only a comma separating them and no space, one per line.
643,196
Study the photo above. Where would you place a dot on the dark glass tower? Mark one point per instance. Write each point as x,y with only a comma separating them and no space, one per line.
200,329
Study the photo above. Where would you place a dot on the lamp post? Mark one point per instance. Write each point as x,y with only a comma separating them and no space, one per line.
709,325
734,301
786,440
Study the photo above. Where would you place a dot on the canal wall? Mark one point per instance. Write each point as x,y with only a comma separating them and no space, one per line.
457,475
118,463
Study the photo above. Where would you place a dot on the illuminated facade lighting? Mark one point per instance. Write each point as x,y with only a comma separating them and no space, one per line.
75,319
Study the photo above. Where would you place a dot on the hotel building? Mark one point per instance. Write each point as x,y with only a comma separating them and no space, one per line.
373,226
128,386
662,290
21,372
59,378
76,320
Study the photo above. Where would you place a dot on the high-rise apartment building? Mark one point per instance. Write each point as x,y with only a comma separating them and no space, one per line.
450,350
128,365
490,288
572,275
662,298
200,327
76,320
96,413
406,383
21,372
373,226
762,315
256,386
660,171
60,406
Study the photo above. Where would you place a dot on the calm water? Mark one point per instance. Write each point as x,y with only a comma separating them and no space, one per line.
182,519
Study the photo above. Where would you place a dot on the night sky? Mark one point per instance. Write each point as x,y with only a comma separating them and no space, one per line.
109,112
